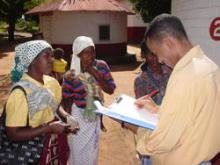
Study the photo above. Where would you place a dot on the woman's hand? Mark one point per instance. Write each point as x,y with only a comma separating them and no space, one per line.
73,124
91,70
86,65
58,127
101,79
69,75
146,102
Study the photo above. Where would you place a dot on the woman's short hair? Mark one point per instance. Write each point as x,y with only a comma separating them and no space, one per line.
58,53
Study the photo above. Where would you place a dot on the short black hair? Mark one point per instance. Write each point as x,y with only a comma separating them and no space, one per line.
144,48
166,25
58,53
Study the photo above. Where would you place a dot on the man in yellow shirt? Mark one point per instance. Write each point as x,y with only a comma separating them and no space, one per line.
188,128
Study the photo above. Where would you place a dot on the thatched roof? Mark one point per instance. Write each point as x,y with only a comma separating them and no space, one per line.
81,5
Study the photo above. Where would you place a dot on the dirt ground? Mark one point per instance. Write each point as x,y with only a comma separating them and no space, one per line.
117,145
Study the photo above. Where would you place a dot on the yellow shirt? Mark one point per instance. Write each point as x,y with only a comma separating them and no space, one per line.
59,65
189,117
17,108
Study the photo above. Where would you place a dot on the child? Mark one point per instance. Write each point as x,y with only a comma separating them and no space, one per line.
59,64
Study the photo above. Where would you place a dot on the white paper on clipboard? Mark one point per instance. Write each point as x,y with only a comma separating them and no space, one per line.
123,109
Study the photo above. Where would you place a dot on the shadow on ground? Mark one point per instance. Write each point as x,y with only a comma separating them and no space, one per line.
2,55
6,46
125,67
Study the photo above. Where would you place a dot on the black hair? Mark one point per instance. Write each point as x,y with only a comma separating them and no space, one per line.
58,53
144,48
166,25
37,36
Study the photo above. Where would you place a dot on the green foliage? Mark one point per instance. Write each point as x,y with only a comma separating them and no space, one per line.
9,8
21,25
10,11
148,9
3,26
30,5
33,3
26,25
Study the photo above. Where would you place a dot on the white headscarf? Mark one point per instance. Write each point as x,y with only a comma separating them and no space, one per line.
79,44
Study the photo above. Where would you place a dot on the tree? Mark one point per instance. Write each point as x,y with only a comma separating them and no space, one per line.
31,4
10,11
148,9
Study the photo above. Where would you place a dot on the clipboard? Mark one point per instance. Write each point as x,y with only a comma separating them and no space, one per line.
124,109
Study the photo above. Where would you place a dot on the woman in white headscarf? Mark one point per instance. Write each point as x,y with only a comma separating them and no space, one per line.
31,106
89,78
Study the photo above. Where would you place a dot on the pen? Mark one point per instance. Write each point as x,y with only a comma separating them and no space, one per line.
118,100
153,93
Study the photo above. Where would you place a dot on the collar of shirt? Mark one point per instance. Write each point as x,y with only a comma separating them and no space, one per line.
195,52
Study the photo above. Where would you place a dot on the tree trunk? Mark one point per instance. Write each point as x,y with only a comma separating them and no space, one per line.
11,30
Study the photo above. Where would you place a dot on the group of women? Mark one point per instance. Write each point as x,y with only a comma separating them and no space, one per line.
40,113
34,114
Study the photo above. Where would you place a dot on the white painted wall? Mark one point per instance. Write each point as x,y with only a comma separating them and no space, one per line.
66,26
45,27
136,21
197,16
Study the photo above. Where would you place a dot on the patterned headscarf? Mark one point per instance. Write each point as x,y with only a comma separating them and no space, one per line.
79,44
24,55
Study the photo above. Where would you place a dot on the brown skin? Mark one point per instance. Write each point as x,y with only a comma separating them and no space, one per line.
87,58
153,63
41,65
169,50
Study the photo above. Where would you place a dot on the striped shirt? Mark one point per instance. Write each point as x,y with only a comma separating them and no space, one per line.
76,90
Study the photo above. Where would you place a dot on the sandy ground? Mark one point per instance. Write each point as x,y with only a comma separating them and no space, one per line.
6,58
117,145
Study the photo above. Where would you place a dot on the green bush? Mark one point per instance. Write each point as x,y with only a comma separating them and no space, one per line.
27,26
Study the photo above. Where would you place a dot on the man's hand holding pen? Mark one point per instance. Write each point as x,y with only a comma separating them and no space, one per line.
146,102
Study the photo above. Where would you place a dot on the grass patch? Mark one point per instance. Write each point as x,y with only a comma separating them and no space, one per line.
2,30
3,26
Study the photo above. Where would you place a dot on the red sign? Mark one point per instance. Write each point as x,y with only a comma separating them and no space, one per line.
214,29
